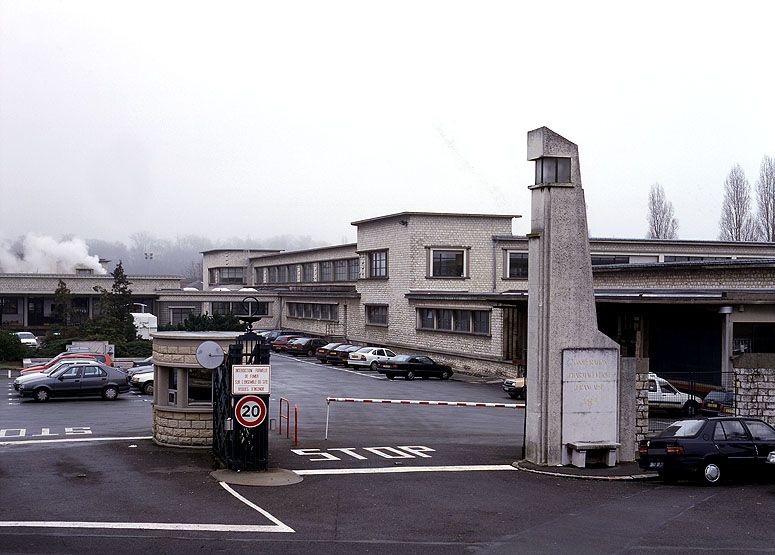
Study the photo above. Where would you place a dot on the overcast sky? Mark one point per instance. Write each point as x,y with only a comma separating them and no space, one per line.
265,118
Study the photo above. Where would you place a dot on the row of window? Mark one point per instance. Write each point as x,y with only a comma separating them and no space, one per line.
238,308
313,311
227,276
328,271
452,320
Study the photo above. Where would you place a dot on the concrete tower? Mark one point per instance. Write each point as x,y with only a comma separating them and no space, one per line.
572,367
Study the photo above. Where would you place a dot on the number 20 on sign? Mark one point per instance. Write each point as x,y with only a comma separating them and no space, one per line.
250,411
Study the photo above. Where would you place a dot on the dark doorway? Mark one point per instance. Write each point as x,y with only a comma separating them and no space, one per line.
35,311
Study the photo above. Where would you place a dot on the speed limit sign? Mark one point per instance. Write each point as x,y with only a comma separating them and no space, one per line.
250,411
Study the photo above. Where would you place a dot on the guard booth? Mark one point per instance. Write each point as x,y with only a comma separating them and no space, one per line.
241,388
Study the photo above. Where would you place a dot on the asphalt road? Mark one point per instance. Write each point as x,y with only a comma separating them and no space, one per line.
129,495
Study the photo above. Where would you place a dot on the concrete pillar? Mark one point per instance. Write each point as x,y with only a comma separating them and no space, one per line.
727,345
562,319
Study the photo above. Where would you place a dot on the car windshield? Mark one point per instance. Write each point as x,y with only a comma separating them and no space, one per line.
401,358
683,428
25,335
331,345
364,350
343,347
720,396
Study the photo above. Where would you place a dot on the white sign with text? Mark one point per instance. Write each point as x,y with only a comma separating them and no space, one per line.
253,379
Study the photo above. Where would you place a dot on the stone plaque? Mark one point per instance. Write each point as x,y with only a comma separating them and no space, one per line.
590,395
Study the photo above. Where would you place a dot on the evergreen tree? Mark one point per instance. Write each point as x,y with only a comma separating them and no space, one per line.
62,307
115,306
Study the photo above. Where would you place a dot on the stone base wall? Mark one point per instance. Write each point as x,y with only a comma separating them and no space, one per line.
189,428
642,400
755,393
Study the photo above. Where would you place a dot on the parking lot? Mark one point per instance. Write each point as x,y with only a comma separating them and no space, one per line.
82,475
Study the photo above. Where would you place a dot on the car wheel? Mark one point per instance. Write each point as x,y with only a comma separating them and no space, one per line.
148,388
409,376
373,366
41,395
390,376
310,353
110,393
445,375
711,473
690,408
323,361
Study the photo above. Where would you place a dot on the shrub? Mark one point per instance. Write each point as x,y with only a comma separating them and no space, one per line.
11,347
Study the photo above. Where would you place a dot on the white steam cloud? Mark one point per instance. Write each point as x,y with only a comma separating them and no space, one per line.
45,255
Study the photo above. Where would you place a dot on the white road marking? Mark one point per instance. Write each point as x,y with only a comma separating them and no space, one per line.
145,526
403,469
280,527
78,440
333,367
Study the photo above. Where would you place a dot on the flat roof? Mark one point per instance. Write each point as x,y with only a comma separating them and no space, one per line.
238,250
446,214
304,251
644,241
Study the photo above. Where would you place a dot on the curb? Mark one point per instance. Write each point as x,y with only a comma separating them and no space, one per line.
629,477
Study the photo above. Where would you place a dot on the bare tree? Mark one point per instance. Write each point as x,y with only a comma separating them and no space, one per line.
737,222
662,221
765,199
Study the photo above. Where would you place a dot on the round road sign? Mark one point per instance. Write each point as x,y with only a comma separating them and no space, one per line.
250,411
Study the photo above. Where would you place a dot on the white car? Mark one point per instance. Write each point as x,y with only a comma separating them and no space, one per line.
771,458
143,381
28,339
663,395
369,356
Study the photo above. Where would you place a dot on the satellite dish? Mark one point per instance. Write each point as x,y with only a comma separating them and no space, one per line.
248,290
221,289
190,289
209,355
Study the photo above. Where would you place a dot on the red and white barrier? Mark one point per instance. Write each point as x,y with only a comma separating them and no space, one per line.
330,400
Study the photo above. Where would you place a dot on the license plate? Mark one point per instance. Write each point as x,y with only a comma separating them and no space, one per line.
656,465
712,406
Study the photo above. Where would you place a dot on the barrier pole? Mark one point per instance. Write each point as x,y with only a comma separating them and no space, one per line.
287,418
295,425
328,409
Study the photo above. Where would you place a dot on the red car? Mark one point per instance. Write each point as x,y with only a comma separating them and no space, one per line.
281,343
105,359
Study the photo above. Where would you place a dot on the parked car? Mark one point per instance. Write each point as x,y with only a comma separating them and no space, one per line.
271,335
515,387
322,352
105,359
77,380
708,448
718,403
334,355
281,342
663,395
410,366
304,346
139,370
55,368
369,357
142,362
771,458
28,339
143,381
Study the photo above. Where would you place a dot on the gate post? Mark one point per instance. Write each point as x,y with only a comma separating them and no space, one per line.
241,392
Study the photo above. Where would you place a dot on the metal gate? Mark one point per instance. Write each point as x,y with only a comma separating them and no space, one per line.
238,447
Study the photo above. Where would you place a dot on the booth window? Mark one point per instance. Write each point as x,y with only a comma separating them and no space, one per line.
200,386
552,170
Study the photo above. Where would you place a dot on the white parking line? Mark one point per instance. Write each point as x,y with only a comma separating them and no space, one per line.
332,367
280,527
145,526
402,469
73,440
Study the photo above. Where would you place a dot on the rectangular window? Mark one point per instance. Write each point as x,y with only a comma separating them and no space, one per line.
282,274
231,275
353,269
518,265
462,320
552,170
312,311
448,263
601,259
179,314
377,315
378,264
260,275
9,305
292,273
200,386
340,270
220,308
212,274
326,271
308,272
271,274
475,322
